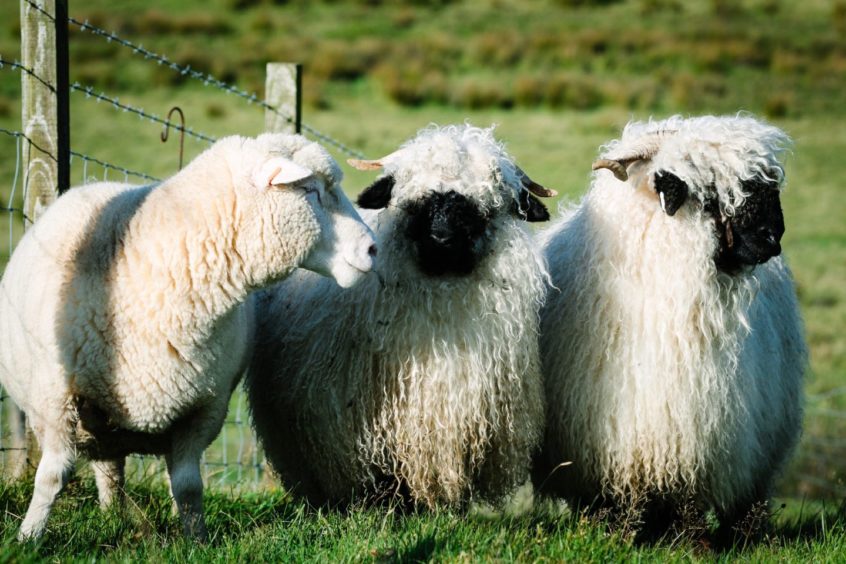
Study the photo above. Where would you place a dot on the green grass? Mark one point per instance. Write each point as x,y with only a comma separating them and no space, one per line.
269,526
558,82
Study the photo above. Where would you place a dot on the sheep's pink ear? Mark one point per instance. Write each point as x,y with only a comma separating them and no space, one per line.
280,171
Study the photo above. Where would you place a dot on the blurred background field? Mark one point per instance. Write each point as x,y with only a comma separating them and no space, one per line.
559,77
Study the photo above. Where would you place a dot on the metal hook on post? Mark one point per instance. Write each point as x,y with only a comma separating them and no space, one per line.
181,131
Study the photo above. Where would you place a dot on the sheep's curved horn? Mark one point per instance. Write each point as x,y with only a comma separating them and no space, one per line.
376,164
644,149
534,187
362,164
617,167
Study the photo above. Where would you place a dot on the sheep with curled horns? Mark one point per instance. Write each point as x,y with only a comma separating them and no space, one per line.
424,379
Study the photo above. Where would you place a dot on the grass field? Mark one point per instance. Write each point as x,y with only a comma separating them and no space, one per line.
559,81
269,527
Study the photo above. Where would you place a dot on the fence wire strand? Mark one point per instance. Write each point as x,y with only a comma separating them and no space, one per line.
17,65
108,166
140,112
30,141
208,80
38,8
185,70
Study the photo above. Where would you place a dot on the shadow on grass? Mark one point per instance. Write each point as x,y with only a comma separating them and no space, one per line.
422,550
79,527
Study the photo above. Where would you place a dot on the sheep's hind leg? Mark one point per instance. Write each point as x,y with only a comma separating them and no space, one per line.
110,478
54,470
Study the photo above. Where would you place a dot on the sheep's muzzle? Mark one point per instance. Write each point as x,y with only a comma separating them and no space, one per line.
753,235
447,231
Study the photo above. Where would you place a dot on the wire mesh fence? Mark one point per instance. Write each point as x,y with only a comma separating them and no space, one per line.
234,459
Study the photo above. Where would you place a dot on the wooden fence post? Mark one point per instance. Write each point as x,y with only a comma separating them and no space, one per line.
45,118
44,104
283,91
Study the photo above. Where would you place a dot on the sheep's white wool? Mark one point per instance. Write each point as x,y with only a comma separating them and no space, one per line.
663,375
124,313
430,381
136,296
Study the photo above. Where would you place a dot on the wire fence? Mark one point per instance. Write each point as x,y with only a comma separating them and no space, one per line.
235,458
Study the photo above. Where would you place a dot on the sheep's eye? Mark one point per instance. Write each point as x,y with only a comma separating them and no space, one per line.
315,191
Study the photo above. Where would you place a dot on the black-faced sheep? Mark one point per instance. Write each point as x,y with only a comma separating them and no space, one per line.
673,349
124,314
424,378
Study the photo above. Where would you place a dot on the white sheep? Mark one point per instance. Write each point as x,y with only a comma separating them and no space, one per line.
673,349
424,378
124,314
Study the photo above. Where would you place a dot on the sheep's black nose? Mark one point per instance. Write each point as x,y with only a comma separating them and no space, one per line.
769,237
446,229
442,235
371,250
768,243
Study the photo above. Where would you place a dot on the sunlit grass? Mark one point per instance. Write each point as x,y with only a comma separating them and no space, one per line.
270,526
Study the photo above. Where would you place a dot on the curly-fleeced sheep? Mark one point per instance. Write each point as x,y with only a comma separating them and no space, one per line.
673,349
125,320
424,377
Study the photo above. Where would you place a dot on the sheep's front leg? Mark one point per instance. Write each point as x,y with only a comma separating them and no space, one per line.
186,486
189,439
54,470
110,478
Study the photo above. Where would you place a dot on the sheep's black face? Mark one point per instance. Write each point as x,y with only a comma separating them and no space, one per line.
753,235
447,231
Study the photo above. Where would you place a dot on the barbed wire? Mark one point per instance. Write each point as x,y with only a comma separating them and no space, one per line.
334,142
82,156
51,17
186,70
206,78
18,66
31,142
140,112
209,80
110,166
89,92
